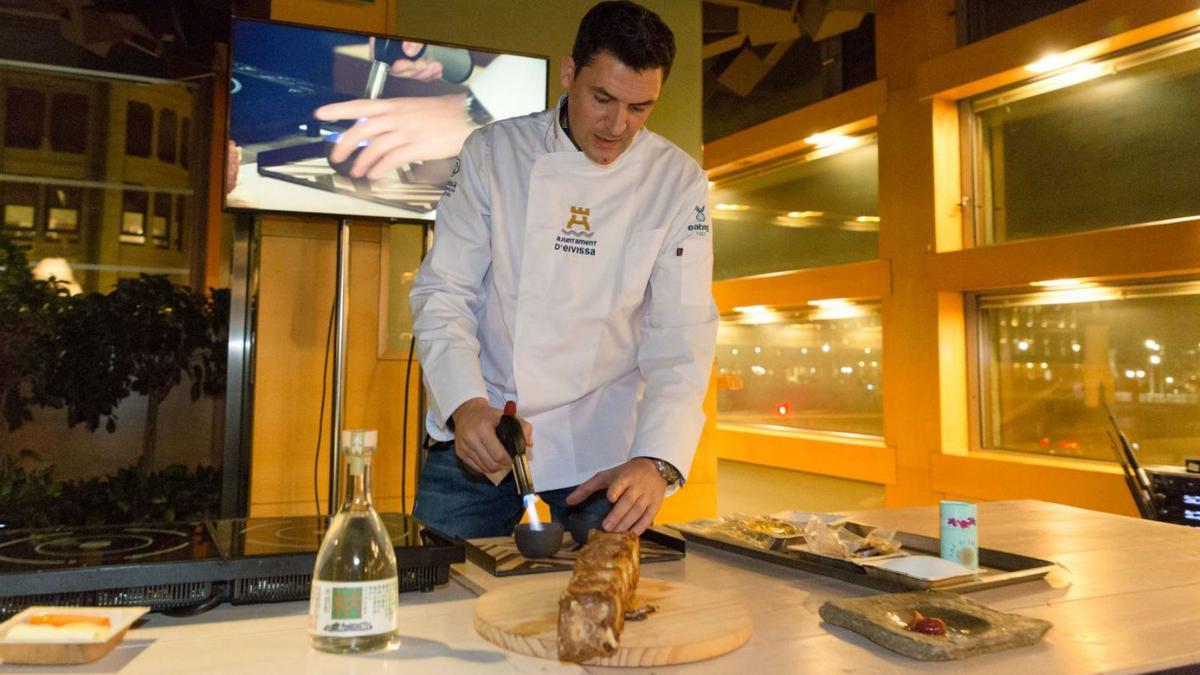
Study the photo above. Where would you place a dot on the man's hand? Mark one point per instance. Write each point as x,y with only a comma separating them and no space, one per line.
636,490
475,440
399,131
413,68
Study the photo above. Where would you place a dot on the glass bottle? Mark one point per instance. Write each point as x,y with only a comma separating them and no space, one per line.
352,606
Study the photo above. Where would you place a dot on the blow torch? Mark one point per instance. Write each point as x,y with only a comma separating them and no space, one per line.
512,437
456,62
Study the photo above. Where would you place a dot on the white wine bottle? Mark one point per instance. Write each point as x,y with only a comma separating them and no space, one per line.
355,590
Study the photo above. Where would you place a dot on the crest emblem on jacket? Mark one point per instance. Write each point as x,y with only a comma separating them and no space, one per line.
577,237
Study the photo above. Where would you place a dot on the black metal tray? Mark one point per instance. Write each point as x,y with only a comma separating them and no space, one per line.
500,558
996,568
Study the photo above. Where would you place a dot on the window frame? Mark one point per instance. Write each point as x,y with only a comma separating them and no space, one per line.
974,169
850,113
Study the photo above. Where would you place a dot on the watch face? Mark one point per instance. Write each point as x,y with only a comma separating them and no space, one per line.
666,471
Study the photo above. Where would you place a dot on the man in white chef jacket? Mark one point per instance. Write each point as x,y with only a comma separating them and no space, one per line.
571,272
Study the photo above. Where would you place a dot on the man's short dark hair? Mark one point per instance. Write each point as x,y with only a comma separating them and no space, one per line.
630,32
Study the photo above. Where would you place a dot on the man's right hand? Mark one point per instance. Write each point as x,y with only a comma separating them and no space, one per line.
475,440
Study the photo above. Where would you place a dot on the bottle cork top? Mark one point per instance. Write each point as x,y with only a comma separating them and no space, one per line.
358,441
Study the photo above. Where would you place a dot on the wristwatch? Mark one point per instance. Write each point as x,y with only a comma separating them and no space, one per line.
668,472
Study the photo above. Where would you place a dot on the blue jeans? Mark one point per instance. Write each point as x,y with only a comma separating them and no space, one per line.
469,506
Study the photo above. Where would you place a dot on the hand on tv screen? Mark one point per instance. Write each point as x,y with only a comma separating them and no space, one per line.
398,131
414,68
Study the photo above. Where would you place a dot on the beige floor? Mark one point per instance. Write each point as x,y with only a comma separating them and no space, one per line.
751,488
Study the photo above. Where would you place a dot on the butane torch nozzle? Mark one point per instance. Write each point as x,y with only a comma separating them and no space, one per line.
512,437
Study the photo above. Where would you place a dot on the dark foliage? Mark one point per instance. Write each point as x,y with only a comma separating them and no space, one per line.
27,311
33,498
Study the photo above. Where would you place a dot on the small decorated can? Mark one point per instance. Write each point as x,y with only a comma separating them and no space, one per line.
960,533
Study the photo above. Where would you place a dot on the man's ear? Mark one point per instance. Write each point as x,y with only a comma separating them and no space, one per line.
567,74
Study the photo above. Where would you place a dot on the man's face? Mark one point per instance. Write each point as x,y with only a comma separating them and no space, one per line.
609,104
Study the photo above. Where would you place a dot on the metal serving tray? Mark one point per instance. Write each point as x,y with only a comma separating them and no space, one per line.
996,568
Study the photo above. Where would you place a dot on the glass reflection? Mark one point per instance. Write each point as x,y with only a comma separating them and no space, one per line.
816,368
811,211
1049,361
1090,146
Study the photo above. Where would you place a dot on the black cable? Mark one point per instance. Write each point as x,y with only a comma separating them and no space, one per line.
412,342
321,411
216,597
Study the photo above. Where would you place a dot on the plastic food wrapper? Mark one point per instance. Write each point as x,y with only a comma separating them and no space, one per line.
837,542
823,534
763,532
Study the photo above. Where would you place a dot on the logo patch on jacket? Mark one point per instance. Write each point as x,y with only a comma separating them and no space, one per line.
452,183
699,225
577,236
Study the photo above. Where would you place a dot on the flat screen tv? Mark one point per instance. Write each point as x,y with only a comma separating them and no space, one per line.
354,125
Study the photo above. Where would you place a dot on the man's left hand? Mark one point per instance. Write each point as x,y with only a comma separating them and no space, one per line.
636,490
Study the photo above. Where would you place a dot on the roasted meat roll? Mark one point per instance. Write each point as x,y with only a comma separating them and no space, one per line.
591,610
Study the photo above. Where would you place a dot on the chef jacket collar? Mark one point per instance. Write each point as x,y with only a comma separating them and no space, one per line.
559,141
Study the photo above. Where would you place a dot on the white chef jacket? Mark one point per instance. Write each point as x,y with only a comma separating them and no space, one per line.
582,292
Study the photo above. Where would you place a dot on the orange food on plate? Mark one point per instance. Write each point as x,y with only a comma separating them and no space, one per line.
58,620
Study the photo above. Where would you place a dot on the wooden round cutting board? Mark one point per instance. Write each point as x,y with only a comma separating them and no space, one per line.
691,623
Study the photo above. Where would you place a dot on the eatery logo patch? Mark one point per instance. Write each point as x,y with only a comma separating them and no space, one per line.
699,226
576,237
451,183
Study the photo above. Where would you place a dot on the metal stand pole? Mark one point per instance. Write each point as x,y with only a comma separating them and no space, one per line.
339,364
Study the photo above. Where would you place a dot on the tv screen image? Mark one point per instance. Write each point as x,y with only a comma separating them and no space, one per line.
348,124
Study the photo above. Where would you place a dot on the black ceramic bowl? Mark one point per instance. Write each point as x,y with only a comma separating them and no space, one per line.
542,542
579,524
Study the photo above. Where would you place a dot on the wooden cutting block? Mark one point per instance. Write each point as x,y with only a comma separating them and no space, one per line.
691,623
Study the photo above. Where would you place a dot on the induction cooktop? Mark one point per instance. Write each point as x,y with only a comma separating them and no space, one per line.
186,568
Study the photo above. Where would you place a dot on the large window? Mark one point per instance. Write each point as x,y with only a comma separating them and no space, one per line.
133,216
1051,360
760,61
139,129
816,368
24,118
814,210
81,424
160,221
69,123
19,202
63,212
1090,146
978,19
167,130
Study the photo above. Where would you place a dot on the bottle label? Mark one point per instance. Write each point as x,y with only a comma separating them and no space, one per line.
353,608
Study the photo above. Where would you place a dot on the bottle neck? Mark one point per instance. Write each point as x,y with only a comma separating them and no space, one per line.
358,484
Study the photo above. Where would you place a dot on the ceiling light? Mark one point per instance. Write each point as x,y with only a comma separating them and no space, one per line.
831,302
1048,63
732,207
1060,283
867,219
805,214
831,141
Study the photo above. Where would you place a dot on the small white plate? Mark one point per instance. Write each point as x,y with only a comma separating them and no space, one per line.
924,567
66,651
119,619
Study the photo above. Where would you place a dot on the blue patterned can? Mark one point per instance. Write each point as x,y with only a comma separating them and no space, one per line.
960,533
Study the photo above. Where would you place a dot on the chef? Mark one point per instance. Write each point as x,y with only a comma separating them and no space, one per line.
571,272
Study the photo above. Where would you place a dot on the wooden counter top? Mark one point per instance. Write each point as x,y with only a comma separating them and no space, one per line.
1125,601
